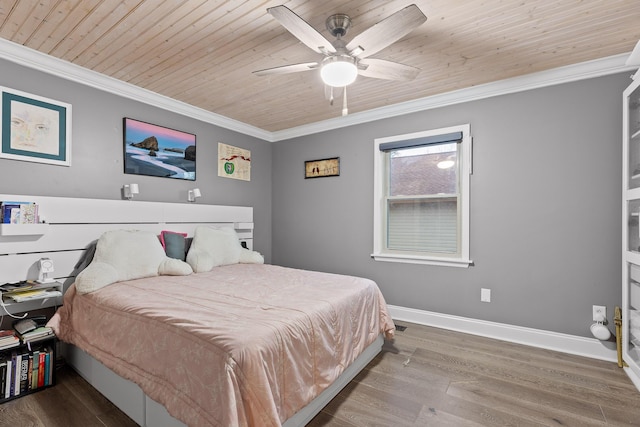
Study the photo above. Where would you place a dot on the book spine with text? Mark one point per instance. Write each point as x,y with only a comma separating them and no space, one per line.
7,388
47,368
24,373
16,373
41,369
34,373
3,378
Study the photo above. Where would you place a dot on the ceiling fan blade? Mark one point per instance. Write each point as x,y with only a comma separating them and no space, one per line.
382,69
301,29
286,69
386,32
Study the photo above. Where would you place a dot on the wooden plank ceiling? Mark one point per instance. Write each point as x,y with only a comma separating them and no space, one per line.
203,52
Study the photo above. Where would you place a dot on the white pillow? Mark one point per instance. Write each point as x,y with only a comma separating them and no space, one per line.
212,247
125,255
248,256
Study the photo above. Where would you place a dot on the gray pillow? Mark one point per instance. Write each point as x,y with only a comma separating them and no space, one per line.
174,244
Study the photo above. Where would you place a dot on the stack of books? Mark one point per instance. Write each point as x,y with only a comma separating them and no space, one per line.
38,334
8,339
24,368
19,212
22,296
29,290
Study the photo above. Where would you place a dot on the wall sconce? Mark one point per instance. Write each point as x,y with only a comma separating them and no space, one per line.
129,190
192,195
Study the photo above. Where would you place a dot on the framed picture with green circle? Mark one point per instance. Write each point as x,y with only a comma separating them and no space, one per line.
234,162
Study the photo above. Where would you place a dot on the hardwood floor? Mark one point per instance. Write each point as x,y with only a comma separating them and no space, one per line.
435,377
426,377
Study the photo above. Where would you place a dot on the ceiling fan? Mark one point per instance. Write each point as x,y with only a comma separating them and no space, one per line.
342,62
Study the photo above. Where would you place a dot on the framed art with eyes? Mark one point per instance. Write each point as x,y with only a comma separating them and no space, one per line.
34,128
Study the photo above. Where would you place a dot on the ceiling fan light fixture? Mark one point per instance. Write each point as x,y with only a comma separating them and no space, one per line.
446,164
339,71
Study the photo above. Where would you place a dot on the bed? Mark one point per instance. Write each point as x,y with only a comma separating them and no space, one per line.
321,337
243,344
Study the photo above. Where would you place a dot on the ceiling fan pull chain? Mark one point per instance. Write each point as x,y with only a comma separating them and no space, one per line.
345,111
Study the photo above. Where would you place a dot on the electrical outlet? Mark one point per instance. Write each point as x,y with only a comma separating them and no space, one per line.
599,313
485,295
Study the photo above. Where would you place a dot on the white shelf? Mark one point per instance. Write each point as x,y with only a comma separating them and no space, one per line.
34,304
45,301
23,229
630,198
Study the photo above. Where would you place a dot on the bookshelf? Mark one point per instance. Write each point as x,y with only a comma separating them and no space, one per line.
19,212
27,368
27,364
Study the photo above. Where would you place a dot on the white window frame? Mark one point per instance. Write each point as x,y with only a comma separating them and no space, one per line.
380,251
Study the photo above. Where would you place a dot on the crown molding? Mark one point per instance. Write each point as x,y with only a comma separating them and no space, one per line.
571,73
33,59
37,60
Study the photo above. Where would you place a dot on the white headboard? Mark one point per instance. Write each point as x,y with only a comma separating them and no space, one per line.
71,224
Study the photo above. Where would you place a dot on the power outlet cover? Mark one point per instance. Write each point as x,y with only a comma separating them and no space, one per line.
599,313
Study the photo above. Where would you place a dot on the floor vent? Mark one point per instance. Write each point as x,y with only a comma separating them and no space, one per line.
400,328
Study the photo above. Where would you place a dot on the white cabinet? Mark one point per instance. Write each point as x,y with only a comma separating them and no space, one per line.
631,231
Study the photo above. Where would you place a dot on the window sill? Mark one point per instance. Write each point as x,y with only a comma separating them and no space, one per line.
415,259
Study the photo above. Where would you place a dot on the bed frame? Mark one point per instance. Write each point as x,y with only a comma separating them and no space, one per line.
71,224
131,400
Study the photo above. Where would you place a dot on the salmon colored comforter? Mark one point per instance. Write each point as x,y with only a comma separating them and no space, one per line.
242,345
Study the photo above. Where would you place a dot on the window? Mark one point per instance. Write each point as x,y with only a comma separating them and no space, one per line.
421,193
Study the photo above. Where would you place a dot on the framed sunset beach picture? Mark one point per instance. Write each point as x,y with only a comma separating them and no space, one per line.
158,151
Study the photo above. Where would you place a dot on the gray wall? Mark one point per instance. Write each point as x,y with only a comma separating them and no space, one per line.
545,207
97,170
545,203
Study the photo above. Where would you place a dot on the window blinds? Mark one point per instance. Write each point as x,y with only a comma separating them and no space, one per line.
418,142
429,225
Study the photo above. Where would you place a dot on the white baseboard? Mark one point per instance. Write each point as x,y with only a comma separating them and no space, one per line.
572,344
635,379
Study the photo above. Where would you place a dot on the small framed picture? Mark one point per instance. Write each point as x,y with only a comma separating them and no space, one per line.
322,168
34,128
